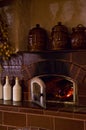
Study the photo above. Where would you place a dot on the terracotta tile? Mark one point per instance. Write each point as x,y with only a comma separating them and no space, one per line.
82,100
14,119
43,129
11,128
80,116
85,125
82,89
0,117
34,128
73,71
9,108
50,112
65,114
3,127
40,121
30,110
81,75
68,124
57,113
79,57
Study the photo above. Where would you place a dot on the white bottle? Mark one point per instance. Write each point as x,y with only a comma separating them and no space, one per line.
1,90
17,91
7,90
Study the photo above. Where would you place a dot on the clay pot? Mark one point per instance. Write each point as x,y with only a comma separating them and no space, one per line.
37,39
78,37
59,37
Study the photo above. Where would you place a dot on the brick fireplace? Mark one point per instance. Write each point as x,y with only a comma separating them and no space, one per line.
61,63
70,63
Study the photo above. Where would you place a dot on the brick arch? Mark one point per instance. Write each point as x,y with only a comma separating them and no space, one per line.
61,68
58,67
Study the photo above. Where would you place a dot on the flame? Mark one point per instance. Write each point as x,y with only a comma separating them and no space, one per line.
70,92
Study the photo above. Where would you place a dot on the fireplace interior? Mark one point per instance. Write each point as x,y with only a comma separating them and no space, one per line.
53,89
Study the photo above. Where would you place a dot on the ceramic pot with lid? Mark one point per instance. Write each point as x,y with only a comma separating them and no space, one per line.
78,37
37,39
59,37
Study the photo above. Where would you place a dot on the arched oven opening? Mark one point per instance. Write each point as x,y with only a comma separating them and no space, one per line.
61,79
53,89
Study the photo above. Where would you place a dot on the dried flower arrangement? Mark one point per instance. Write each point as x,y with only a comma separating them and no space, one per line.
6,49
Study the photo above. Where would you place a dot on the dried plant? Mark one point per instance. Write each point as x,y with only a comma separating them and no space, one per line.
6,49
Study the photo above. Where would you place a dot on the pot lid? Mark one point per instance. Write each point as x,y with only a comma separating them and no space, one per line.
37,29
60,27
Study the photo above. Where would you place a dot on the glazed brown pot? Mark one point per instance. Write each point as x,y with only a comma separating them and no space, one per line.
37,39
59,37
78,37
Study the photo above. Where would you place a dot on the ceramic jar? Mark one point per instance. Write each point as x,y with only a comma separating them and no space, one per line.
37,39
17,91
78,37
7,90
59,37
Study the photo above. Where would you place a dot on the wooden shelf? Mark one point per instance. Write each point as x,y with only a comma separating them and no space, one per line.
53,51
